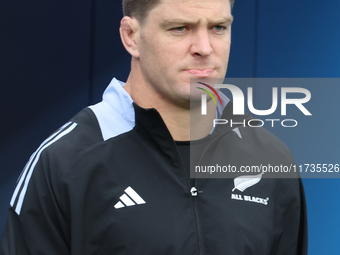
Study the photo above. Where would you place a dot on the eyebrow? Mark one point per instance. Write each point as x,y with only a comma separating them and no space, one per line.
174,22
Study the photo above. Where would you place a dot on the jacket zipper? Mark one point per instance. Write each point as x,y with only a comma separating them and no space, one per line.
194,193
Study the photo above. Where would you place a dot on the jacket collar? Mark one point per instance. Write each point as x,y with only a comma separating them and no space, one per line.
150,122
151,126
119,100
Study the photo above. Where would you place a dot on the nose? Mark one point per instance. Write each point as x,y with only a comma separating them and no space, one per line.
201,44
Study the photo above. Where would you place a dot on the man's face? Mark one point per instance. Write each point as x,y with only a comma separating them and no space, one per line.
183,39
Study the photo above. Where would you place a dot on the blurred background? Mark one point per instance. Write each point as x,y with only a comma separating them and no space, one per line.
57,57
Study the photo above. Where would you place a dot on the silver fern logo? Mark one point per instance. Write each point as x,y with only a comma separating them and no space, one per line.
244,182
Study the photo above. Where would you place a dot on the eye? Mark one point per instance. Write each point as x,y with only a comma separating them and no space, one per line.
219,28
179,29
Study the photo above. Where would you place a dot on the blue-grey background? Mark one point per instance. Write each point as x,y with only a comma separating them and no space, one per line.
57,57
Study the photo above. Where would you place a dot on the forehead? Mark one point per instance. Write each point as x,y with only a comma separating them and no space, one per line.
191,9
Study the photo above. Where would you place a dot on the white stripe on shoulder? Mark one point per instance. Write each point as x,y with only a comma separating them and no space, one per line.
115,114
24,172
32,163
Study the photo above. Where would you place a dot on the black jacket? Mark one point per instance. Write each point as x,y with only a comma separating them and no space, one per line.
112,181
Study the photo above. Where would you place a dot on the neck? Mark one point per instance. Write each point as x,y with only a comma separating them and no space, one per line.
184,123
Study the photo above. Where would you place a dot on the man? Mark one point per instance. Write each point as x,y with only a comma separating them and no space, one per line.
115,179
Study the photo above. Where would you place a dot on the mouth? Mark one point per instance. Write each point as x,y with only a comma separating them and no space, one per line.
200,73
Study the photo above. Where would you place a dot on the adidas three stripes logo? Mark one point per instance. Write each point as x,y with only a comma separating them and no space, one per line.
129,198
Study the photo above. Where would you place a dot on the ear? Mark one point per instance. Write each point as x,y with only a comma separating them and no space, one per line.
129,34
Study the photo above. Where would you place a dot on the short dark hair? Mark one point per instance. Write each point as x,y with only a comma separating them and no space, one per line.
140,8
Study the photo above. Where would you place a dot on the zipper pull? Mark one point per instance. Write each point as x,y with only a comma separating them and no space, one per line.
193,192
